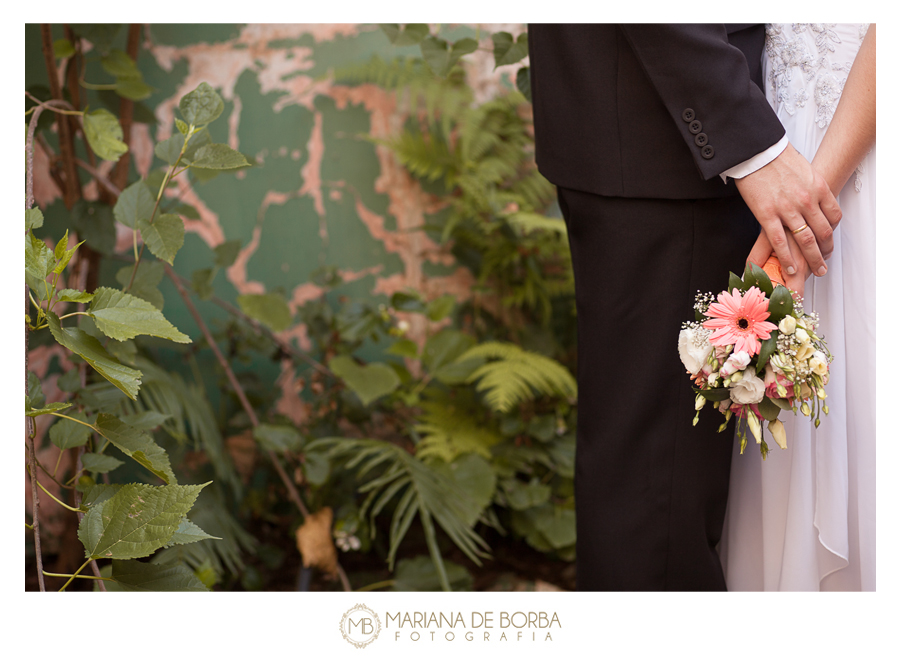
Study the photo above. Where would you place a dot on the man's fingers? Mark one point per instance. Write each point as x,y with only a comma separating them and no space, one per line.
809,247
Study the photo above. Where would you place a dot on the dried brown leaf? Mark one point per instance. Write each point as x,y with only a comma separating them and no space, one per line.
315,543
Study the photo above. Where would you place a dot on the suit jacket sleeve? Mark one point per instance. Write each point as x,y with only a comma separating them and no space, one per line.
705,84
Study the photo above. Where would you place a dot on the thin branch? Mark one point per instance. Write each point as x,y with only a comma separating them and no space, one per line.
66,139
245,403
100,178
126,112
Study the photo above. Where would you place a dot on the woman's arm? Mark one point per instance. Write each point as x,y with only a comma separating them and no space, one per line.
852,131
848,139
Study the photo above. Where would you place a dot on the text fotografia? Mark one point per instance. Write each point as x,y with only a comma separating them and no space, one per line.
482,626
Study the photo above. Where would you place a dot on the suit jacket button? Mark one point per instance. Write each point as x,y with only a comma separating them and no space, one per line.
688,115
701,139
707,152
695,126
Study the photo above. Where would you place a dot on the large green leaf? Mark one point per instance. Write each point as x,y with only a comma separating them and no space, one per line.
39,262
104,134
781,303
269,308
134,204
507,51
149,275
52,408
67,434
128,380
444,347
218,156
75,296
754,275
100,463
169,150
122,316
164,237
189,532
369,382
279,438
138,445
137,520
202,105
34,218
135,576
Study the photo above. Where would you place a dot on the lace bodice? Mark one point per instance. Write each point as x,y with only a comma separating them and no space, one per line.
806,68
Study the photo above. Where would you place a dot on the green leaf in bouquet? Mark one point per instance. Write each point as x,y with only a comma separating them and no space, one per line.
507,51
369,382
65,434
134,204
218,156
768,409
734,281
135,521
782,403
34,218
766,350
138,445
122,316
781,303
136,576
269,308
280,438
201,106
104,134
714,394
100,463
754,275
164,237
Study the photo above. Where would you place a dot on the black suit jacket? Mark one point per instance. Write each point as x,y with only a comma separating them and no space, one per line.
648,111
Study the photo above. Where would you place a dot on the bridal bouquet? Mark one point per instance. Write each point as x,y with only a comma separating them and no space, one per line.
752,352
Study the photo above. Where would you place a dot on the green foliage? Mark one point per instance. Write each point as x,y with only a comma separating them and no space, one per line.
368,382
122,316
104,134
164,236
135,576
269,308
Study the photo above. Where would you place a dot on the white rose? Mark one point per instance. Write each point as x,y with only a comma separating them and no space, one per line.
693,348
737,361
750,389
819,364
787,325
804,351
802,336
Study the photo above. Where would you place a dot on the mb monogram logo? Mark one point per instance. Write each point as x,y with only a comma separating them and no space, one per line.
360,626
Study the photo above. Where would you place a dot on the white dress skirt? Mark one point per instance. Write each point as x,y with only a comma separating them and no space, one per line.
805,518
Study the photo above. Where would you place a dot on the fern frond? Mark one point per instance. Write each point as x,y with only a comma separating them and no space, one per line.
517,375
449,432
527,222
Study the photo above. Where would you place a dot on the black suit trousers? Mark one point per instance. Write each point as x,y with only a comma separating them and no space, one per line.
650,488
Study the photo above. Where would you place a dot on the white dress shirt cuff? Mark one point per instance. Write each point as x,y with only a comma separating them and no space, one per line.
758,161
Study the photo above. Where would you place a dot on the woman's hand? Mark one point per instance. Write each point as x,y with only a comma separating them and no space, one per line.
762,250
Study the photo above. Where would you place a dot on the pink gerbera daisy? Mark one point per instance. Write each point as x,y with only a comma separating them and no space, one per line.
740,321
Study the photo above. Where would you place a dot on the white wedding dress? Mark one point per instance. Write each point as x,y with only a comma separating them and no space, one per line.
805,518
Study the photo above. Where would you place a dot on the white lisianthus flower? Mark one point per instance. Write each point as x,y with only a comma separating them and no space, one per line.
750,389
737,361
711,380
805,351
787,325
693,348
755,429
802,336
819,364
776,427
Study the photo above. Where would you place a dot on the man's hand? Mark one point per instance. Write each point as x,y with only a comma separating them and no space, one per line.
762,250
786,195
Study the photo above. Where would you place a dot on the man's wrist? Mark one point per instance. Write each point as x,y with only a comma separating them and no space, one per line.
757,162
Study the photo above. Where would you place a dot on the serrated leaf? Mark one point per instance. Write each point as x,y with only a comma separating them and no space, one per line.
65,434
218,156
75,296
523,82
134,204
117,63
104,134
169,150
53,407
148,277
34,218
188,532
122,316
507,51
97,493
369,382
63,48
66,257
39,262
137,444
100,463
227,253
164,237
136,521
133,89
279,438
145,420
269,308
201,106
135,576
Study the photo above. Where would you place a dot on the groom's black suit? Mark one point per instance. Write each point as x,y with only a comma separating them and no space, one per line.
634,124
